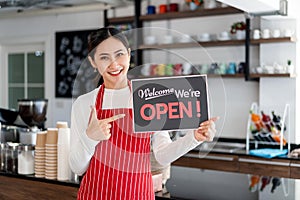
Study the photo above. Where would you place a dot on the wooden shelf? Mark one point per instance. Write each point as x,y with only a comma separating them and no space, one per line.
272,75
216,43
189,14
120,20
194,44
273,40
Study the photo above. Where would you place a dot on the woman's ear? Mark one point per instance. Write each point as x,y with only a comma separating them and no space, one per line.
129,53
92,62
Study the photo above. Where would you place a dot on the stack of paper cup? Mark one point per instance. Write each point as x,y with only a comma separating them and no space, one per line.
39,155
61,124
51,153
63,149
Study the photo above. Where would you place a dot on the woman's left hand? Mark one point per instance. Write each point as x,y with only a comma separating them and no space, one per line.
206,130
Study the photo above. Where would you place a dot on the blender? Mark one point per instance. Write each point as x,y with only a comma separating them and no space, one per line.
33,114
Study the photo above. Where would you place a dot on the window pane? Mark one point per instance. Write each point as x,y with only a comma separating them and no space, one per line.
36,67
16,68
15,94
35,93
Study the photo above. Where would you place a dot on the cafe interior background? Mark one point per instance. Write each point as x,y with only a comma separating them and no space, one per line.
24,30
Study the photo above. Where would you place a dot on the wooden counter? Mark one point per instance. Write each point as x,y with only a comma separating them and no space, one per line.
13,186
242,163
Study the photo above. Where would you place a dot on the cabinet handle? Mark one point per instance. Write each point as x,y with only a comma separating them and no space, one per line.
264,162
210,157
295,165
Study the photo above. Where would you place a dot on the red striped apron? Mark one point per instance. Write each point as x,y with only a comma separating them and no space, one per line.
120,167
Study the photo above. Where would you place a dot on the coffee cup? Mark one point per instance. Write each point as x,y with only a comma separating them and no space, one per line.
146,69
224,35
151,9
184,38
52,135
61,124
167,39
256,34
149,40
288,32
276,33
203,37
41,139
187,68
266,33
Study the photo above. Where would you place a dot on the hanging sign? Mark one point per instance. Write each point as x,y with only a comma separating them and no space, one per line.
170,103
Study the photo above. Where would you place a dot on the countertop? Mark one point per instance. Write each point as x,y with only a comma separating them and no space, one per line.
238,161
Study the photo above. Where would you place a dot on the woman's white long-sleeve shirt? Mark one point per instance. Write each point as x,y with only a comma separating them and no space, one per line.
82,147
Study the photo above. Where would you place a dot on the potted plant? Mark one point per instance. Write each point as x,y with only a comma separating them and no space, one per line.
238,29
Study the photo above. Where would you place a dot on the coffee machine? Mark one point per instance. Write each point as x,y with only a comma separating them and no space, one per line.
33,114
21,126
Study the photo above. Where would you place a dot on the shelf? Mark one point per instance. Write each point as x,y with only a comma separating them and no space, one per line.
189,14
194,44
272,75
120,20
273,40
208,75
216,43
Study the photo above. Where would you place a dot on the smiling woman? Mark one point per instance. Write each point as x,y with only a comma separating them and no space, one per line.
115,159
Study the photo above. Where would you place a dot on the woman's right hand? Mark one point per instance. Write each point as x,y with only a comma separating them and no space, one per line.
99,130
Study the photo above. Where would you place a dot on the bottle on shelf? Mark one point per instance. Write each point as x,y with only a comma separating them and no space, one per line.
265,180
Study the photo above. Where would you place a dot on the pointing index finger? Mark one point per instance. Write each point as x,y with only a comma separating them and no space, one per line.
115,117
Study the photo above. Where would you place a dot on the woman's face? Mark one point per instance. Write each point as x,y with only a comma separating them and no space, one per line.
112,59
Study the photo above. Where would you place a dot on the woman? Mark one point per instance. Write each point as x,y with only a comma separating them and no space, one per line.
116,161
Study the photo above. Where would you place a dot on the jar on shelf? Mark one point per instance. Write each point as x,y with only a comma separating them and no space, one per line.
2,156
11,157
26,159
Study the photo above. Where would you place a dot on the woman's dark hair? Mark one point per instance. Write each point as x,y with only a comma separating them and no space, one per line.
98,36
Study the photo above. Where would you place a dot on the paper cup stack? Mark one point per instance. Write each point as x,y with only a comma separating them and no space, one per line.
39,155
63,149
51,153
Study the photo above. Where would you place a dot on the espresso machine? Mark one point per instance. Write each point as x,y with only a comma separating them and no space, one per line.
33,114
22,126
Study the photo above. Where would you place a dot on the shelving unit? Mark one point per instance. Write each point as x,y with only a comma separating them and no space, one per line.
138,20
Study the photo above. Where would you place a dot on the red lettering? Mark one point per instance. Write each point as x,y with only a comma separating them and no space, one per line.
142,112
188,111
160,111
173,110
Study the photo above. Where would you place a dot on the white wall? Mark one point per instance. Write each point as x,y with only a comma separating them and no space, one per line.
42,29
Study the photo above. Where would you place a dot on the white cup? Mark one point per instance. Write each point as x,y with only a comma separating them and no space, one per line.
187,68
204,37
276,33
185,38
256,34
224,35
149,40
288,32
146,69
167,39
266,33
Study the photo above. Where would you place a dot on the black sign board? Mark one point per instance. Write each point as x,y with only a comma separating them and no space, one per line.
71,64
171,103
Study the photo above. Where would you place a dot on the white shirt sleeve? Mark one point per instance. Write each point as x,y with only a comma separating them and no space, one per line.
82,147
166,151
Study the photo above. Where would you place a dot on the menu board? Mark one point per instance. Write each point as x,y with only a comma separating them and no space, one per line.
171,103
74,74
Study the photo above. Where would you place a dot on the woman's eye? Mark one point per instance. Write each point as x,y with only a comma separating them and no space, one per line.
120,54
105,58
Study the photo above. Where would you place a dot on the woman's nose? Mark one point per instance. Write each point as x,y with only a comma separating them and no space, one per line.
113,64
